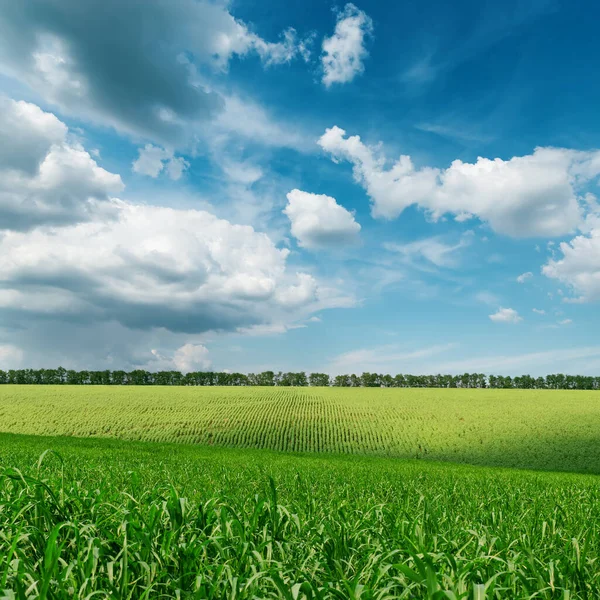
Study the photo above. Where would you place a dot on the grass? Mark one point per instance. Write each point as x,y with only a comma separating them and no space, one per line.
543,429
104,518
298,494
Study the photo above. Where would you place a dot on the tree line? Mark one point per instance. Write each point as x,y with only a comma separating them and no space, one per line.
271,378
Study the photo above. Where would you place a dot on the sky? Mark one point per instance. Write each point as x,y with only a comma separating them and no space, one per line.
405,187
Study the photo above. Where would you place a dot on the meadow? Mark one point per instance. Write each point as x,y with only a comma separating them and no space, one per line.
541,429
298,493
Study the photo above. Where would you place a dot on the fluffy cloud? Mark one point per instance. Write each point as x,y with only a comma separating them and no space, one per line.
46,177
579,267
344,52
524,277
506,315
318,221
133,66
192,357
534,195
152,160
189,357
182,270
539,311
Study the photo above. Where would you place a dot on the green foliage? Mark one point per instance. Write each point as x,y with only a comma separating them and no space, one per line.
543,429
270,378
110,519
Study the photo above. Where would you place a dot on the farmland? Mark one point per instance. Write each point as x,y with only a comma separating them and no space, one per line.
541,429
157,520
152,492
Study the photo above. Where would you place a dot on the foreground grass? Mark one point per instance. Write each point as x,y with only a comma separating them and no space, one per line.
113,519
541,429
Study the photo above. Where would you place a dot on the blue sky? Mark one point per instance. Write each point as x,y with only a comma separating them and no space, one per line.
392,187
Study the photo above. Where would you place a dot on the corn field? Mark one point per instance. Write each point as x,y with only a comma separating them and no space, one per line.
112,519
541,429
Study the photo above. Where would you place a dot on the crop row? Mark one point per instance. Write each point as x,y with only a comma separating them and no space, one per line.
110,519
504,427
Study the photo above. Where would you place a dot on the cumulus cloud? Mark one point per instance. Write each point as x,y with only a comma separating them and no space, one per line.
133,66
539,311
535,195
192,357
506,315
344,52
579,267
318,221
524,277
152,160
46,176
182,270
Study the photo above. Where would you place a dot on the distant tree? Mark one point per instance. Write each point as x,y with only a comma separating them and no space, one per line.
341,381
369,380
239,379
299,379
386,381
119,378
266,378
293,379
318,379
400,381
223,378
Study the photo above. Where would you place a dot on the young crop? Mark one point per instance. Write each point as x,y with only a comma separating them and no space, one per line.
109,519
545,429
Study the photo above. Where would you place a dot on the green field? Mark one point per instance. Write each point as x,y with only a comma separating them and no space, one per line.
546,429
118,518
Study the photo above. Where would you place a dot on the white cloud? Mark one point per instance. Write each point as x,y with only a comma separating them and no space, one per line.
344,52
244,172
565,322
539,311
506,315
46,176
182,270
192,357
433,250
534,195
152,160
524,277
579,267
562,360
157,95
318,221
187,358
383,359
487,298
175,167
242,117
277,53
